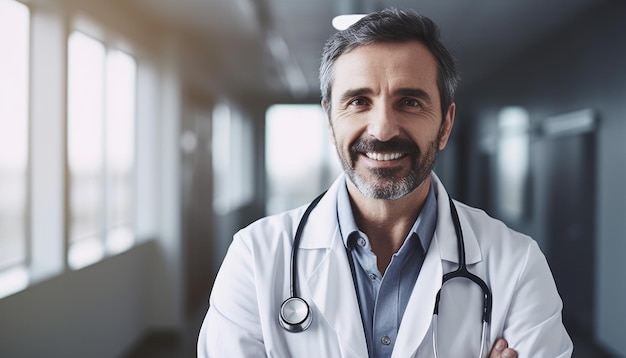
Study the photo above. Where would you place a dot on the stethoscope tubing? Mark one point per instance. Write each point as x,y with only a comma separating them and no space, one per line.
296,245
295,313
461,272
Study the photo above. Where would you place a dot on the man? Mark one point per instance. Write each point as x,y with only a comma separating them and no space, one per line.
369,259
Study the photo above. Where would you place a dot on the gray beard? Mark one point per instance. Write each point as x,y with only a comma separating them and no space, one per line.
390,189
388,186
387,183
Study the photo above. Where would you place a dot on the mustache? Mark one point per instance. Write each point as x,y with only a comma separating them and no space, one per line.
394,145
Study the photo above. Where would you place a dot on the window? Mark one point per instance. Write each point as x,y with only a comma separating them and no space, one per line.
512,161
14,128
233,158
120,150
300,162
101,140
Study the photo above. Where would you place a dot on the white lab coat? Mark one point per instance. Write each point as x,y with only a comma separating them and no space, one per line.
242,320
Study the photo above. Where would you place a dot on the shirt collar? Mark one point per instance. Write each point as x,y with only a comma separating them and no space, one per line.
424,226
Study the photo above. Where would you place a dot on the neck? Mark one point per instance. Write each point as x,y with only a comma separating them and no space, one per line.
387,222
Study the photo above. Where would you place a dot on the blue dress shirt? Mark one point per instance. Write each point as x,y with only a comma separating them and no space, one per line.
384,297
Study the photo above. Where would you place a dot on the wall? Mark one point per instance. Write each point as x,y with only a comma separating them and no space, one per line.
98,311
102,310
226,225
580,67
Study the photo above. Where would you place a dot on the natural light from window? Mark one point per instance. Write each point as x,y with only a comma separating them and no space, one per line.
120,147
300,161
233,159
513,160
14,64
85,148
101,150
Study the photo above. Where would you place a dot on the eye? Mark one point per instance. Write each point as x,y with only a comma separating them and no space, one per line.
357,102
410,102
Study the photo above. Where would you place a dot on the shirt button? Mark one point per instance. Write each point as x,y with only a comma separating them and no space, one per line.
385,340
361,242
373,276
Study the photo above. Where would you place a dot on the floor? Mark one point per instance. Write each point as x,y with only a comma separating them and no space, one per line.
168,344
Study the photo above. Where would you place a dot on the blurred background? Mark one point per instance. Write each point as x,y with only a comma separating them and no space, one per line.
136,136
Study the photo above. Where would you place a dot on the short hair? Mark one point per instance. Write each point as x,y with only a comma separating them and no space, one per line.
391,25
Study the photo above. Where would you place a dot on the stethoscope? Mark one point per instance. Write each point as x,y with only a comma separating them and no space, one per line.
295,313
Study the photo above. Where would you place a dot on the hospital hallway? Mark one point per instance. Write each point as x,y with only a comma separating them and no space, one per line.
138,136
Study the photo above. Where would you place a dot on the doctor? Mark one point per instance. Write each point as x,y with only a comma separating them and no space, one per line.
371,256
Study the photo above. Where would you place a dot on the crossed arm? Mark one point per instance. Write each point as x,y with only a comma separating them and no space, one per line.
501,350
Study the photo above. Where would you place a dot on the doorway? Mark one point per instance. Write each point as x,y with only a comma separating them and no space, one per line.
569,171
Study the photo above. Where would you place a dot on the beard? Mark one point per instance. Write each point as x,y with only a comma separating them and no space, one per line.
394,182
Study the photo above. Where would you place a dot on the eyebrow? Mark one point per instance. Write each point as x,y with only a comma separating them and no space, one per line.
414,92
355,92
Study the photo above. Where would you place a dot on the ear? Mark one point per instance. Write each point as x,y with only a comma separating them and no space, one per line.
446,126
329,125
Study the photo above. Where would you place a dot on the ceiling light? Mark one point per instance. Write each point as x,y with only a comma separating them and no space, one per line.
342,22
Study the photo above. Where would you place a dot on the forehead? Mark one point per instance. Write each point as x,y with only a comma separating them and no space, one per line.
386,65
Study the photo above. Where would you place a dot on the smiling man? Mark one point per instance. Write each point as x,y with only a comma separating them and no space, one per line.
386,123
361,271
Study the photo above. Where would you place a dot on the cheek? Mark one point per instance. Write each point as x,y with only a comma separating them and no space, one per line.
343,134
331,134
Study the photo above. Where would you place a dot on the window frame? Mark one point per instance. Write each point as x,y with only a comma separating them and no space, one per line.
11,271
99,244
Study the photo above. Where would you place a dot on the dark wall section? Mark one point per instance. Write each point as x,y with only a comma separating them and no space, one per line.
583,66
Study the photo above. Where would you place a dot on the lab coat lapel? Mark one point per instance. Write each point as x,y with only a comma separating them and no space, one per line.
328,277
418,315
419,311
445,234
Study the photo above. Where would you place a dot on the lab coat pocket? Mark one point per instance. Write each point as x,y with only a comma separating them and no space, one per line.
317,341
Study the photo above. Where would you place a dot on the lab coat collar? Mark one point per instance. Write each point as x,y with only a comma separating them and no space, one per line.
445,234
326,212
330,284
321,228
417,317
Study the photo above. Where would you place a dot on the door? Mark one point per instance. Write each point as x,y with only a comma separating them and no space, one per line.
569,171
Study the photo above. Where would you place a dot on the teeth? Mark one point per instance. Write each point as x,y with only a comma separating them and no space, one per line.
383,156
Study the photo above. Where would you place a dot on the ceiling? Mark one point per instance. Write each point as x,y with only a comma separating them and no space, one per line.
272,47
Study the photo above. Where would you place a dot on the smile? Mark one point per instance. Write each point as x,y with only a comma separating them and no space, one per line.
383,156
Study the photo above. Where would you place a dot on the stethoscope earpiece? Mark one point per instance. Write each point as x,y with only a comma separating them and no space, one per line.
295,315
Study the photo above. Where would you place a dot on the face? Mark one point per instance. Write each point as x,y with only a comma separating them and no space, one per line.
385,117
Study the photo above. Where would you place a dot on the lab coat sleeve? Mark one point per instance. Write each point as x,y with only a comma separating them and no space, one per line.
232,327
534,325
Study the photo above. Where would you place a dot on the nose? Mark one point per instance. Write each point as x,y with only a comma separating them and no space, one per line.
383,124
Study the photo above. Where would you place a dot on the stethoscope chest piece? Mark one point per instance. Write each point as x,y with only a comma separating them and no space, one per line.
295,315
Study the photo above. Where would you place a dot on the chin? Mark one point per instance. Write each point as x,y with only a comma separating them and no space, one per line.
385,189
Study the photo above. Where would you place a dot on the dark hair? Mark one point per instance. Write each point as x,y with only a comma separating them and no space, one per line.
391,25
